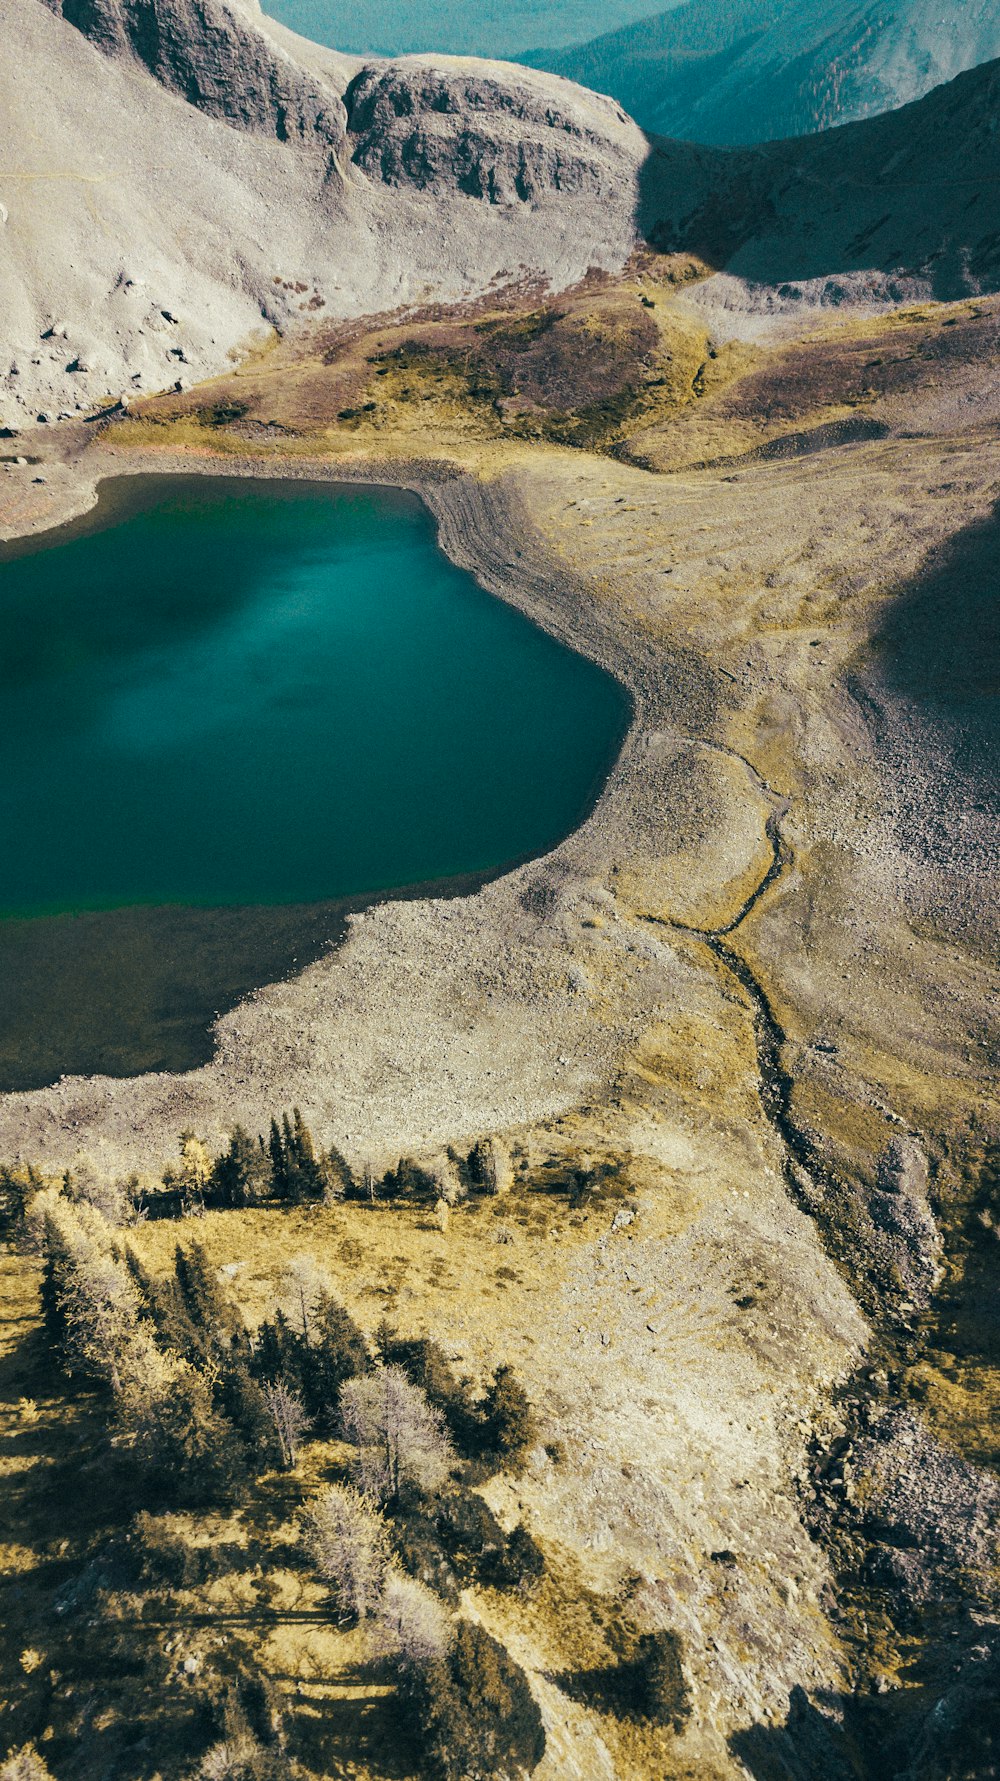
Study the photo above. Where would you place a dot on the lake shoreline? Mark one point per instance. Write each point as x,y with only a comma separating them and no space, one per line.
117,967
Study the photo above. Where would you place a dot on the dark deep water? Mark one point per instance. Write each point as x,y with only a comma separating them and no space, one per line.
228,712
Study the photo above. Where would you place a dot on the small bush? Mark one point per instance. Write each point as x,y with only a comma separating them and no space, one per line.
665,1696
508,1419
522,1562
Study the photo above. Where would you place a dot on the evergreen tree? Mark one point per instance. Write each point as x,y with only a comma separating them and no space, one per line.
58,1261
277,1352
194,1454
341,1182
472,1711
508,1419
212,1312
298,1174
243,1403
18,1188
312,1178
335,1350
424,1362
241,1176
163,1303
279,1167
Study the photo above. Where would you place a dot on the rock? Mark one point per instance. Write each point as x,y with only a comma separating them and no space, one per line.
208,52
500,140
903,1168
43,419
4,213
623,1217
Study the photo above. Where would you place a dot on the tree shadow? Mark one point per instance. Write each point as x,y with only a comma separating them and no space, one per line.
813,1742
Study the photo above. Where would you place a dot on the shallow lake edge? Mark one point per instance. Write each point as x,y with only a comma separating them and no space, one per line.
475,529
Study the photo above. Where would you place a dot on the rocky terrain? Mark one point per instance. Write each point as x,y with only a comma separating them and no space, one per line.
352,188
213,179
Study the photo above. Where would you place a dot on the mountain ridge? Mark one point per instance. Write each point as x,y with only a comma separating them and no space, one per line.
720,73
211,179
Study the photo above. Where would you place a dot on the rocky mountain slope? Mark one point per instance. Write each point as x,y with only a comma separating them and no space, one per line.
735,71
202,177
893,209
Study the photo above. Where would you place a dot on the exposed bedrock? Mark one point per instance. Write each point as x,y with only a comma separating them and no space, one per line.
442,127
212,55
200,184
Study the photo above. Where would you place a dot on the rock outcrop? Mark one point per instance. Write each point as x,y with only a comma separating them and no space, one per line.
201,179
440,127
212,54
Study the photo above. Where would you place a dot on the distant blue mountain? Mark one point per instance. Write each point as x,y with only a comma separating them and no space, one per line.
483,28
739,71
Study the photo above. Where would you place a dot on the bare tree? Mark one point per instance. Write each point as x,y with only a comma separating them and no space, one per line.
349,1544
25,1765
415,1625
305,1280
290,1419
399,1437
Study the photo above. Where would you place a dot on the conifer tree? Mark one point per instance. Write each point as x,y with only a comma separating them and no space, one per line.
277,1350
211,1310
279,1166
340,1182
241,1176
242,1401
424,1362
58,1260
335,1351
473,1712
163,1303
18,1188
508,1419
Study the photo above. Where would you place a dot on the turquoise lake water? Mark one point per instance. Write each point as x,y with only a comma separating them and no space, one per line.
256,695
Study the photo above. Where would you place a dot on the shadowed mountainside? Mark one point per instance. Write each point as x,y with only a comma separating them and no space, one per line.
894,209
732,71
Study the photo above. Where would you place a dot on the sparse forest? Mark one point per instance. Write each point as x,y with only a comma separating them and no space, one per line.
295,1453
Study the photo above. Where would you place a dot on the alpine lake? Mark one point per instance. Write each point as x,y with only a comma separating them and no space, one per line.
235,710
